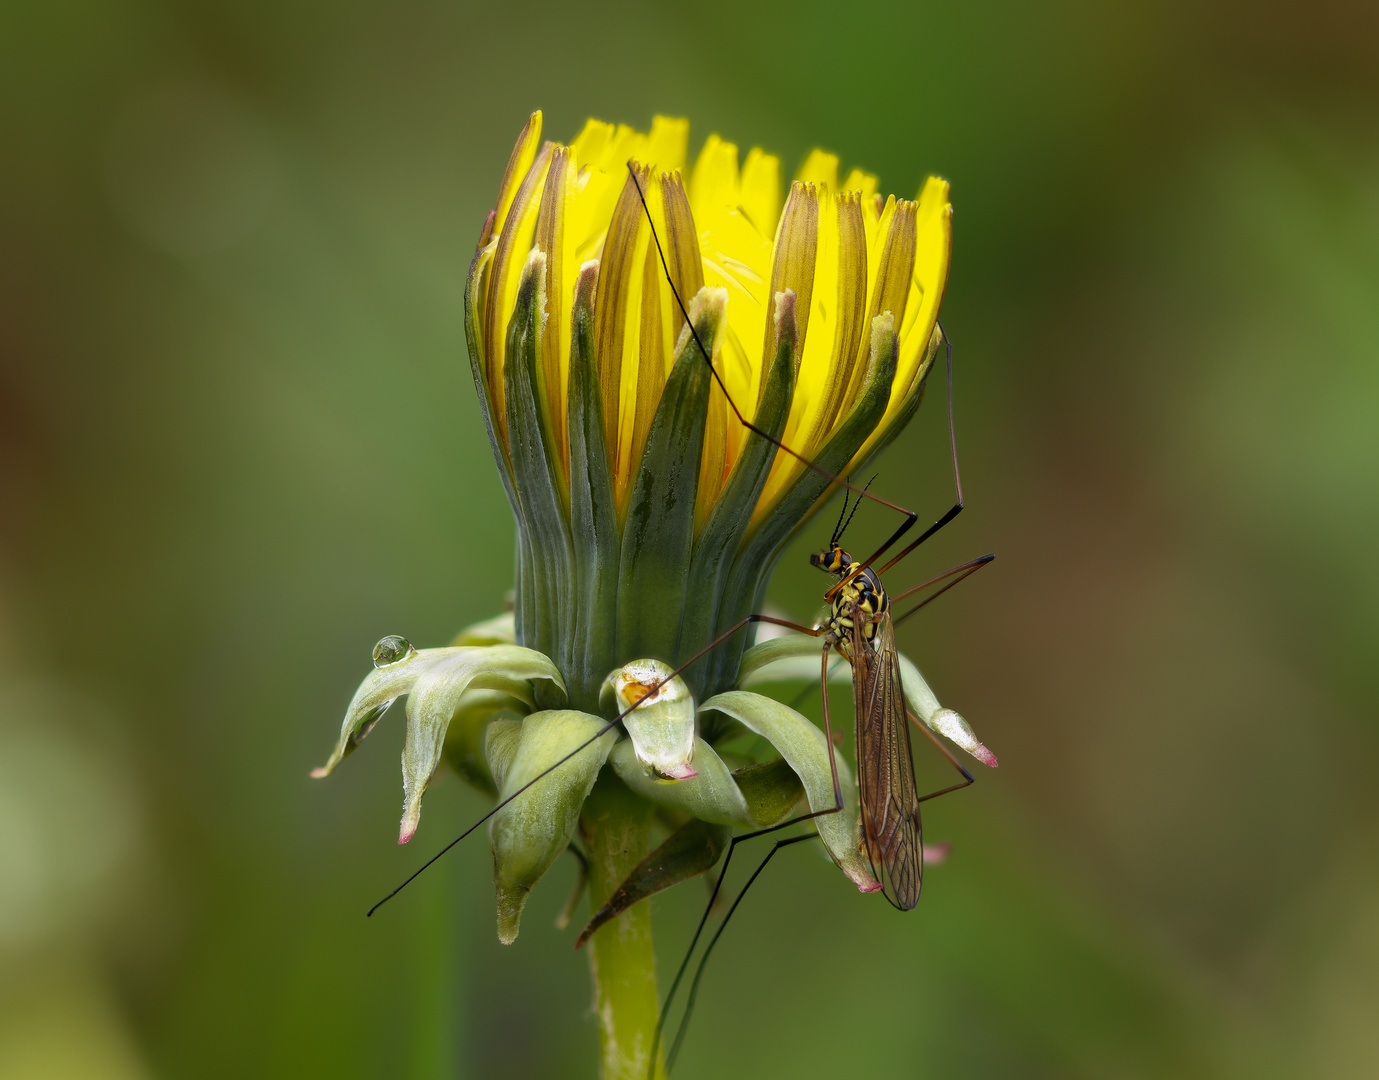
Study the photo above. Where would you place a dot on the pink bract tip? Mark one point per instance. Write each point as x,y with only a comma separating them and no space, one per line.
319,772
406,835
936,853
985,756
861,879
681,772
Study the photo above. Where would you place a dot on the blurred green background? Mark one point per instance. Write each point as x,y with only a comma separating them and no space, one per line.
238,444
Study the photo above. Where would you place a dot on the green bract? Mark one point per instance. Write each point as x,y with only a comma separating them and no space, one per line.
803,745
661,720
530,832
435,681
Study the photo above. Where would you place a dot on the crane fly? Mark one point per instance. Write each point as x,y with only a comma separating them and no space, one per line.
861,629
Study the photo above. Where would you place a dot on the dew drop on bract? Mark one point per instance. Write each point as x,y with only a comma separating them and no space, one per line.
391,649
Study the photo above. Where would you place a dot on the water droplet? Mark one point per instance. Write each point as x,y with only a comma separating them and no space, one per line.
391,649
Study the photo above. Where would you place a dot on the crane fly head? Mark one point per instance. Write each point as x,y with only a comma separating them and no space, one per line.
833,561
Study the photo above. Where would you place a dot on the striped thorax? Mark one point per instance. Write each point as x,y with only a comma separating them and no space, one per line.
864,598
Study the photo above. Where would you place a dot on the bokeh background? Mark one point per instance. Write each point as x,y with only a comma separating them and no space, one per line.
238,444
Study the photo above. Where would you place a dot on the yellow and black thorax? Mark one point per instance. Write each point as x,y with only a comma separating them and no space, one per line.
863,598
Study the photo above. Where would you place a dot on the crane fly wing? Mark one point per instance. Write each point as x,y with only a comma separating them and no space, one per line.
891,830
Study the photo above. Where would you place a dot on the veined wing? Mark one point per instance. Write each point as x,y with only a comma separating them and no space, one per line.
891,830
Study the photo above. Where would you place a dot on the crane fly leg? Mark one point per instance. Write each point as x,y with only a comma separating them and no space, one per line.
968,778
723,873
911,517
703,960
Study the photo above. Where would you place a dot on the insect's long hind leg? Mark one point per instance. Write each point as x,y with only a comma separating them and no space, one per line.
727,861
959,573
968,778
699,930
708,950
952,512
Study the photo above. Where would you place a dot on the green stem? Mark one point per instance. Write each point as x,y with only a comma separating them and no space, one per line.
616,826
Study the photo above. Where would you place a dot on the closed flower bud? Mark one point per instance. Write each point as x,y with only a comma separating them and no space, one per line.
644,337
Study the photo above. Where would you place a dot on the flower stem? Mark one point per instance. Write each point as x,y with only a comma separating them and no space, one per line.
616,826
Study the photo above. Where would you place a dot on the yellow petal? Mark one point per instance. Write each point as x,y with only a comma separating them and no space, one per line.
523,154
891,283
552,238
933,249
830,354
713,183
863,183
821,168
667,144
795,260
816,359
653,358
736,259
513,244
761,190
617,328
680,242
792,266
589,144
852,300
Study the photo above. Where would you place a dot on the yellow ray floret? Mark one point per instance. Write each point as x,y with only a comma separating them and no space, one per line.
847,254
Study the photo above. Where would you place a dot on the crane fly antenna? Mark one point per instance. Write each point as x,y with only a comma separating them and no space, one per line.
838,525
855,505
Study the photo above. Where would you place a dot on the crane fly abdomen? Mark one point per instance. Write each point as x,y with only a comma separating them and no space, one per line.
891,831
859,626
